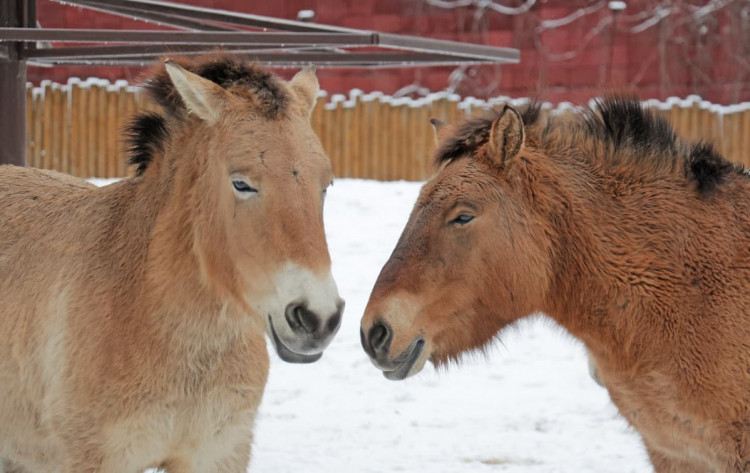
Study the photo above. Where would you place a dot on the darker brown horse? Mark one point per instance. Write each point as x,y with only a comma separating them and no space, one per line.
635,242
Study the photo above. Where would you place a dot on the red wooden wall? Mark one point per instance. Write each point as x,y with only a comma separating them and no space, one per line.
655,48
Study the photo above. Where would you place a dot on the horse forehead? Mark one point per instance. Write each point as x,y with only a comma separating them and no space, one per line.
299,157
458,180
277,144
256,129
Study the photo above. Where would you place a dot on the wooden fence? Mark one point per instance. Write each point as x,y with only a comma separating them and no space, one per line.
77,128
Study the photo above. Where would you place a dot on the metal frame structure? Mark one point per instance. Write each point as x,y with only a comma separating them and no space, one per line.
289,44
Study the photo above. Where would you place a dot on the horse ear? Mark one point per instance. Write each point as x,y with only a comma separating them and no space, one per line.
306,87
441,129
202,97
506,136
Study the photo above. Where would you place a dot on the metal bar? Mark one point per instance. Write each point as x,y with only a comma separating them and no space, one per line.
153,17
398,59
478,51
505,55
221,16
13,13
187,37
283,40
134,51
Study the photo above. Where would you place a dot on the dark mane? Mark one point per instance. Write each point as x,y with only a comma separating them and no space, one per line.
148,131
630,133
708,167
144,136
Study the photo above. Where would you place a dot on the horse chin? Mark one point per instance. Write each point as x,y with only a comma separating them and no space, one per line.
413,361
287,354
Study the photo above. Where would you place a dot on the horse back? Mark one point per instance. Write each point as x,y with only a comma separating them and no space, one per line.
45,218
28,195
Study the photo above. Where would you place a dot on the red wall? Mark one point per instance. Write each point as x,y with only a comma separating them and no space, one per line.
690,51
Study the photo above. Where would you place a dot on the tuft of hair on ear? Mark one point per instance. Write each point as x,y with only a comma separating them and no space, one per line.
506,136
707,167
441,129
160,88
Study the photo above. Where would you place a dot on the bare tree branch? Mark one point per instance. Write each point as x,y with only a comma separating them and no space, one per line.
566,20
484,5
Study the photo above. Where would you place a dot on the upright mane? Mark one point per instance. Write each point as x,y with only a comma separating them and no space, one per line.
148,132
619,126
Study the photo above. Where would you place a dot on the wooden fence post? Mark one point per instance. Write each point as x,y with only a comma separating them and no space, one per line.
77,128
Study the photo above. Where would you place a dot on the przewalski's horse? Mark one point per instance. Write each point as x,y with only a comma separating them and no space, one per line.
636,243
133,315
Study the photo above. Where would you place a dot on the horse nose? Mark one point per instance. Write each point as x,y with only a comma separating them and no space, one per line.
378,339
334,321
304,321
301,319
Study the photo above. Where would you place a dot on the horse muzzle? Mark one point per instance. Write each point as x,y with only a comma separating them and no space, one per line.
377,344
303,334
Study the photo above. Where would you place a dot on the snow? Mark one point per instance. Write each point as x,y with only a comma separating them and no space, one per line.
466,104
528,406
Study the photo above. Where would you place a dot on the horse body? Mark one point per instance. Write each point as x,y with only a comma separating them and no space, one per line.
660,304
636,243
81,361
134,314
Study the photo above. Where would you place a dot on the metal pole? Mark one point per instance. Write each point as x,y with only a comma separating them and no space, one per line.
13,13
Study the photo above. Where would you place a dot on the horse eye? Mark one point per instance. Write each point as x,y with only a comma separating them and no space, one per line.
463,219
242,186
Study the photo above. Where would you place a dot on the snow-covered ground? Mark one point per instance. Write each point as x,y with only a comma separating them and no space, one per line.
528,407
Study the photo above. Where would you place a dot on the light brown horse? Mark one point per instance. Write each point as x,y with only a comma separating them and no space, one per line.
635,242
133,315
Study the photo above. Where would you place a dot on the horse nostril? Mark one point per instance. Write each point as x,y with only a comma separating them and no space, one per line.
300,318
333,323
380,337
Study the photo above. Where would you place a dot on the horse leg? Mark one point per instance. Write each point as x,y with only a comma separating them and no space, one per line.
89,457
208,460
83,464
178,465
236,462
6,466
667,464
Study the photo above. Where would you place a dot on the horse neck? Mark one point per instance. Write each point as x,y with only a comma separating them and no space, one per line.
169,286
599,254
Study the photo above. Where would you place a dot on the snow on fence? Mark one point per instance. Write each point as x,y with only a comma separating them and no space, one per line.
77,128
